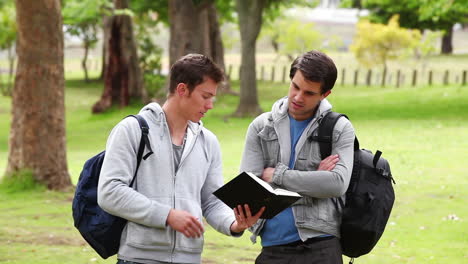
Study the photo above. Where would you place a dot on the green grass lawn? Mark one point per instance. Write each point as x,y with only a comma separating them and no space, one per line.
422,131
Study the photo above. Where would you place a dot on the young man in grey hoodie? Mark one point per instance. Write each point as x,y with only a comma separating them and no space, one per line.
174,187
280,148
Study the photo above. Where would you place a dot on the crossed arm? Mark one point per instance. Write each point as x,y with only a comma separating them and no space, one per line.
327,164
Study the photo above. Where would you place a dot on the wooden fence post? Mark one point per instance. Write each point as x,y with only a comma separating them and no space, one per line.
398,78
262,72
384,76
369,78
343,72
356,73
415,77
430,77
446,77
464,78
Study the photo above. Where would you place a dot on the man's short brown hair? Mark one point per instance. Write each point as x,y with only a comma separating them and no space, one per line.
192,69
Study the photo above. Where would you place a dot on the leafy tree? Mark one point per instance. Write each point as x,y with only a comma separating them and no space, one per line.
419,14
37,135
375,44
8,39
427,47
444,15
149,53
81,19
291,37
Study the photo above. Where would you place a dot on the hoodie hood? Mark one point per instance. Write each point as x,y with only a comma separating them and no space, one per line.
158,116
280,108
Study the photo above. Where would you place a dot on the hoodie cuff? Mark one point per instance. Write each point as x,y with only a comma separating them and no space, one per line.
235,234
279,173
160,218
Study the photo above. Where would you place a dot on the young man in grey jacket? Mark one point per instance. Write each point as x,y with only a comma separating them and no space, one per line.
173,189
280,149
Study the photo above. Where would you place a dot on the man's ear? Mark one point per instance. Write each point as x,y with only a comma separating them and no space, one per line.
326,94
181,89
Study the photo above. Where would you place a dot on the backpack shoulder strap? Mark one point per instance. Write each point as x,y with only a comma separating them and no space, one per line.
325,133
144,137
144,142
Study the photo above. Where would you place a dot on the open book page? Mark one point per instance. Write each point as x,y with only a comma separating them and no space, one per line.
262,182
267,186
279,191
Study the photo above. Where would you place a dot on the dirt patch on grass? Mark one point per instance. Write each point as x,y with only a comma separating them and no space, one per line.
41,238
208,261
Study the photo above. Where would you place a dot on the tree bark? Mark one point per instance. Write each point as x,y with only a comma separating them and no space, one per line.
250,22
85,60
37,135
195,29
447,47
106,29
215,47
123,79
186,34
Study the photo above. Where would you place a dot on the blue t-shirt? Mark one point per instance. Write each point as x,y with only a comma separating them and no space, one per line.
282,229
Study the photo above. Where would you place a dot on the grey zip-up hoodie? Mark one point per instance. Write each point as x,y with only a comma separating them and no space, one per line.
268,144
158,189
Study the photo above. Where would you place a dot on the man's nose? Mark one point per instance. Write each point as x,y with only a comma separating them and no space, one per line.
209,105
298,97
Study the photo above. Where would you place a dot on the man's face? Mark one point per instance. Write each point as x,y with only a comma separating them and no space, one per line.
200,100
304,97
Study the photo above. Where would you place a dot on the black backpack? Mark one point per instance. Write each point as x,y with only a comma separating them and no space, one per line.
100,229
369,197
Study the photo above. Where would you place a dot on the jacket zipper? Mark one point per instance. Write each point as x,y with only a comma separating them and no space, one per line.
174,235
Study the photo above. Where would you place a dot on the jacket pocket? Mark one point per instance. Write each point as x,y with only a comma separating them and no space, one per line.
306,164
308,158
183,243
270,145
311,209
192,245
141,236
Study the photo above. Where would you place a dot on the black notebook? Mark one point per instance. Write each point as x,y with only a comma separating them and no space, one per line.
246,188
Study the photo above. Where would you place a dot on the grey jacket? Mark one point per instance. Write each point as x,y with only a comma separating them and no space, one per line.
158,189
268,144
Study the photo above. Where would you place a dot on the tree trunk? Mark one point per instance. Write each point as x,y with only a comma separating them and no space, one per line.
37,135
195,29
447,47
85,60
186,36
106,29
215,48
250,22
123,79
